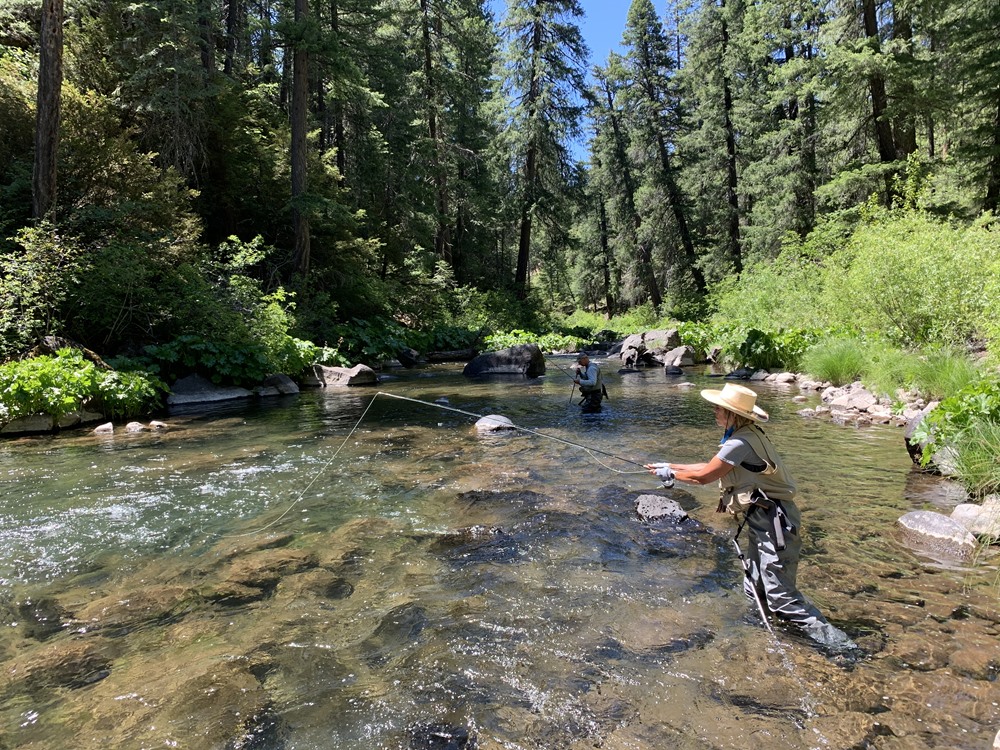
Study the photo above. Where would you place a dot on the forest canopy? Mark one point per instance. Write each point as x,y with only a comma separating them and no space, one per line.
271,181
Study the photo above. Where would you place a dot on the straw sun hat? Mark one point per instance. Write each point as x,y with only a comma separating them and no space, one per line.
737,399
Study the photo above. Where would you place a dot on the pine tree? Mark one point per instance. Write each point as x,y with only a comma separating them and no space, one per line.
543,82
652,102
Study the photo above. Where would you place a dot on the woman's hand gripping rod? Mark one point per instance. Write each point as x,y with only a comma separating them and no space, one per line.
663,473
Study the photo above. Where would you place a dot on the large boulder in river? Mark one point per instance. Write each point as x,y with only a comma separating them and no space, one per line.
322,376
523,359
494,423
195,389
649,347
655,507
983,520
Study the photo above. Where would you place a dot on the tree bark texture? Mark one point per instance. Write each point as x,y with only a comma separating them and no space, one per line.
43,179
300,113
732,184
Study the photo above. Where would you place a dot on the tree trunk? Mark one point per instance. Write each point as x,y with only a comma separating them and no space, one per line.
339,136
677,206
732,194
300,110
904,124
524,237
206,34
43,178
876,88
530,175
232,10
442,238
609,297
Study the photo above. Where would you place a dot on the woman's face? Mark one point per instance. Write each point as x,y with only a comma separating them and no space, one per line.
721,417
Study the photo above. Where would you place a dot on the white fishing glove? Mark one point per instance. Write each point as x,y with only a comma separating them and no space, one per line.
665,475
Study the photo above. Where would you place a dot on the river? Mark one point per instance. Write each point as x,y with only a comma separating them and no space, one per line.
340,570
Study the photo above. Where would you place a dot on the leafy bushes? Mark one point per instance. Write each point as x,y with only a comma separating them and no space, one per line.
968,421
547,342
60,384
914,278
35,281
219,361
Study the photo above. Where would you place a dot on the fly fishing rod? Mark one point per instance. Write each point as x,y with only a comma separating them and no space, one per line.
570,375
514,426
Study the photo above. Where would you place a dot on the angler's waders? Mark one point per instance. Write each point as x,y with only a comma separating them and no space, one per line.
746,573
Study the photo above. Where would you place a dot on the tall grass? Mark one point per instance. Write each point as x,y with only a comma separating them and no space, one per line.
889,368
884,369
940,373
977,448
839,361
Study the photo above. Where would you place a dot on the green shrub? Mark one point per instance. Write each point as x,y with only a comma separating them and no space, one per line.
701,337
976,464
641,318
772,294
128,394
783,349
65,382
913,278
444,337
837,360
547,342
219,361
371,342
581,321
977,403
991,314
35,280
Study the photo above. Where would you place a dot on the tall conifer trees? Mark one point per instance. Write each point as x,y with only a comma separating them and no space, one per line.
543,83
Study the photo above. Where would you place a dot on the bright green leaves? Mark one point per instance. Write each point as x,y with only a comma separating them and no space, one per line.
66,382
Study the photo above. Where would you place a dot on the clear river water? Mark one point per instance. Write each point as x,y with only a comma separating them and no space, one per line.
339,570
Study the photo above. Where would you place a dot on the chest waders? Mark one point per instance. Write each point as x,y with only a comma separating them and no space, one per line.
778,523
593,394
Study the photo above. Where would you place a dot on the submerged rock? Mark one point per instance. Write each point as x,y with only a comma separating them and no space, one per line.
938,535
67,663
441,737
494,423
654,507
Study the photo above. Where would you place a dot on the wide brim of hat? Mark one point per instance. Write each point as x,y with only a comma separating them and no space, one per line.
715,397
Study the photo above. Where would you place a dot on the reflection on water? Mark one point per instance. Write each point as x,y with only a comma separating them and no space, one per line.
335,570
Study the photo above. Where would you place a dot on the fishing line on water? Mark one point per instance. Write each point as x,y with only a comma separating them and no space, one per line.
316,476
326,464
586,448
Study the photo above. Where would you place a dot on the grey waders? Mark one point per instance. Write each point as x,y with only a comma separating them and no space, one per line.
771,566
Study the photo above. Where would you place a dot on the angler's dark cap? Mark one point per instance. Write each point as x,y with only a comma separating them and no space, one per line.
582,355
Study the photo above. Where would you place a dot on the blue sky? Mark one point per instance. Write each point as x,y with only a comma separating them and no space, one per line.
602,25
